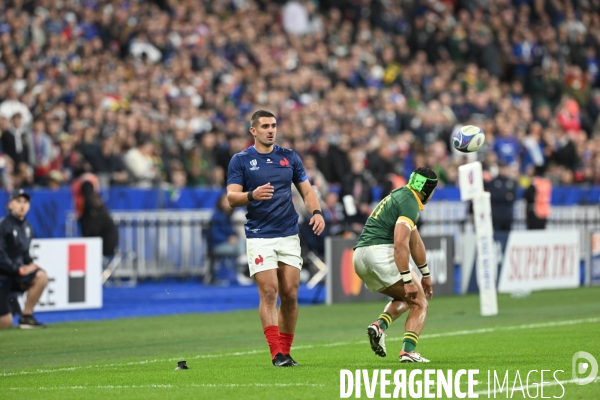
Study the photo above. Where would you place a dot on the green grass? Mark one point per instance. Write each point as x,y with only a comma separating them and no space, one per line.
228,356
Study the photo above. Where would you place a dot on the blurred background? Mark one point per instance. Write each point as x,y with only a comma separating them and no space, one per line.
149,100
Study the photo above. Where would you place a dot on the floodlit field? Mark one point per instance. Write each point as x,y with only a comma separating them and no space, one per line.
229,359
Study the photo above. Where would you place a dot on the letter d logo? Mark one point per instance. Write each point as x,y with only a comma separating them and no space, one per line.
582,367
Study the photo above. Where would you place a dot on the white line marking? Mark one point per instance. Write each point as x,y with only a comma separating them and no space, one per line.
229,385
508,328
168,386
533,385
334,344
471,331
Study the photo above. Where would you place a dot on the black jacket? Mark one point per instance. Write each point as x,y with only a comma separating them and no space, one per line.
95,221
15,238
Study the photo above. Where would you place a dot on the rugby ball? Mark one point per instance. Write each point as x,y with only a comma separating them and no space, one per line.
468,139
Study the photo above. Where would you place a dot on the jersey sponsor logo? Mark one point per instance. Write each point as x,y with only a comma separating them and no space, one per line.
269,161
284,162
253,164
259,260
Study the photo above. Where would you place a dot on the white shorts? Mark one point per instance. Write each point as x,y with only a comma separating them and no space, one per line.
376,267
264,254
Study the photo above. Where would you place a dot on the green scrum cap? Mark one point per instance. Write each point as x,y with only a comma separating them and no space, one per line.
423,184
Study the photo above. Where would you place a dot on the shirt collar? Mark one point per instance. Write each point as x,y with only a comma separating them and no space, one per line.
421,206
15,219
252,148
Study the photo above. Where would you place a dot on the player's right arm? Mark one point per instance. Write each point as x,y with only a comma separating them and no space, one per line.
402,233
419,255
238,198
7,266
236,181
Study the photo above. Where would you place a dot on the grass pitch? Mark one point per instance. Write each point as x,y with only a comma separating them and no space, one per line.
228,356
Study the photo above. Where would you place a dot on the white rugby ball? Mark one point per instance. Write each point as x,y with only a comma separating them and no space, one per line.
468,139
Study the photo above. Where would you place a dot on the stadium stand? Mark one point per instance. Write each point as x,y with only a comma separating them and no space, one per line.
84,83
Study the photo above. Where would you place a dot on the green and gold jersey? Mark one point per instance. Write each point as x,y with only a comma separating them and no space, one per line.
402,204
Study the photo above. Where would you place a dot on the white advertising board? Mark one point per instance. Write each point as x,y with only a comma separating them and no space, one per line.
74,268
540,259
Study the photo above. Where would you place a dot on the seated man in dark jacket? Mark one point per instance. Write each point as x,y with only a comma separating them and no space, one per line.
18,273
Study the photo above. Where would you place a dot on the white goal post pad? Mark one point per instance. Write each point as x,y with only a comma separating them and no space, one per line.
486,268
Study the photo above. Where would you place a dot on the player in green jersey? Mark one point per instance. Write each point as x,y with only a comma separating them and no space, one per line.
381,260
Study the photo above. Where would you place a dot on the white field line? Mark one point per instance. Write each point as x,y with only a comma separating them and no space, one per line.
231,385
533,385
334,344
168,386
470,331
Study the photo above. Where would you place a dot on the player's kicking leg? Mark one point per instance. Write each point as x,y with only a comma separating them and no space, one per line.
376,330
415,320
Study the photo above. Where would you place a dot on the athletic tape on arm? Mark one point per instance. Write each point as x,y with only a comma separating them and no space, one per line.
406,221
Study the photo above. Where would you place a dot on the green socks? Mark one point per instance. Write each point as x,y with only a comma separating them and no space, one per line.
410,341
385,320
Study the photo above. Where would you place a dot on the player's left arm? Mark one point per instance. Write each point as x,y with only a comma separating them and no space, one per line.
312,205
419,256
308,194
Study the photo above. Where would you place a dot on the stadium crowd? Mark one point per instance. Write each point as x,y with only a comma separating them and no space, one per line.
159,93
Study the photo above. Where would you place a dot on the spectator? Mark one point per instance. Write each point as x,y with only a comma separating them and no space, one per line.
235,144
295,18
506,145
23,176
201,162
225,241
42,152
55,179
92,214
327,161
568,117
14,141
67,157
538,197
315,176
503,192
108,164
333,213
532,154
140,163
356,195
12,106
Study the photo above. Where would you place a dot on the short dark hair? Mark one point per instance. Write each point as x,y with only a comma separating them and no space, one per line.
426,172
260,114
143,140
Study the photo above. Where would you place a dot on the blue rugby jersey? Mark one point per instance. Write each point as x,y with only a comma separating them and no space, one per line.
282,167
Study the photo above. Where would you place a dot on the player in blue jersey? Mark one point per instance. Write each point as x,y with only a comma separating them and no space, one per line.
261,178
